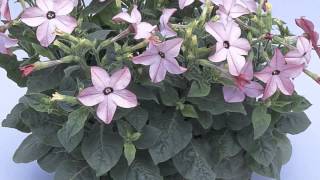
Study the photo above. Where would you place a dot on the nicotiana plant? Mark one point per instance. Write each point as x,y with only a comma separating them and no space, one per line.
156,89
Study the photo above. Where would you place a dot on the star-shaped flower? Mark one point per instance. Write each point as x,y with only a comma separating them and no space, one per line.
4,10
161,58
165,28
229,45
108,92
49,16
229,9
278,75
143,30
244,86
302,54
5,43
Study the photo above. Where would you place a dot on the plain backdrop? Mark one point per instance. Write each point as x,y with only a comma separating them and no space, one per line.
304,164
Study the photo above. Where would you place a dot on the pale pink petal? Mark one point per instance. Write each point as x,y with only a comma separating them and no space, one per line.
124,17
150,56
237,11
173,67
292,70
171,47
184,3
120,79
253,89
217,30
285,85
240,46
233,94
247,71
236,63
233,33
143,30
6,41
65,23
251,5
277,61
4,9
33,16
294,57
45,5
124,98
221,53
46,33
90,96
157,72
63,7
135,14
165,29
271,87
106,110
264,75
100,78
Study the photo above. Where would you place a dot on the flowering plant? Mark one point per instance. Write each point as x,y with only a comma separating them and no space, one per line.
156,89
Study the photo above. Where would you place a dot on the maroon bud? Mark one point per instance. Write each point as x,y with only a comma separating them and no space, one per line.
268,36
27,70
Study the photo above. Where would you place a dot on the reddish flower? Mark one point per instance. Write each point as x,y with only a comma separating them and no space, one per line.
27,70
308,28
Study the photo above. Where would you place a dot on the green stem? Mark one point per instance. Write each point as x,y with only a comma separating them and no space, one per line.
312,75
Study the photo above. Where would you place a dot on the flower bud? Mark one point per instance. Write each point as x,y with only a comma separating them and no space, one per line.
27,70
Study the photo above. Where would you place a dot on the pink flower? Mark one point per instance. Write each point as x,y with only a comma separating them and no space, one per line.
229,45
50,15
6,43
278,75
4,9
165,28
108,92
244,86
184,3
308,28
143,30
302,54
27,70
229,9
161,58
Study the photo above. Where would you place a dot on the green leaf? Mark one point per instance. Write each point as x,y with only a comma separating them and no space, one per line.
39,102
144,93
148,138
264,150
98,35
193,162
199,89
129,152
142,168
30,150
138,118
102,149
43,51
226,144
293,103
74,170
14,119
43,126
285,147
95,7
215,104
45,79
175,136
169,96
53,159
293,123
260,120
189,111
11,65
205,119
71,133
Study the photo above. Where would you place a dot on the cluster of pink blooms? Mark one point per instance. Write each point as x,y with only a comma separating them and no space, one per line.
51,16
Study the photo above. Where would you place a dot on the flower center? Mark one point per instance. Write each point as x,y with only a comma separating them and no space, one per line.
304,54
275,72
162,55
107,91
51,15
226,44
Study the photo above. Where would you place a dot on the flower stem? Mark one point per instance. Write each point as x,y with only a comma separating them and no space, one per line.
312,75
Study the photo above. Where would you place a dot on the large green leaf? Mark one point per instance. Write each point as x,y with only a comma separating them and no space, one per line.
260,120
30,150
175,135
74,170
193,162
169,96
11,65
142,168
137,118
53,159
71,133
14,119
102,149
198,89
148,138
293,123
285,147
39,102
215,104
